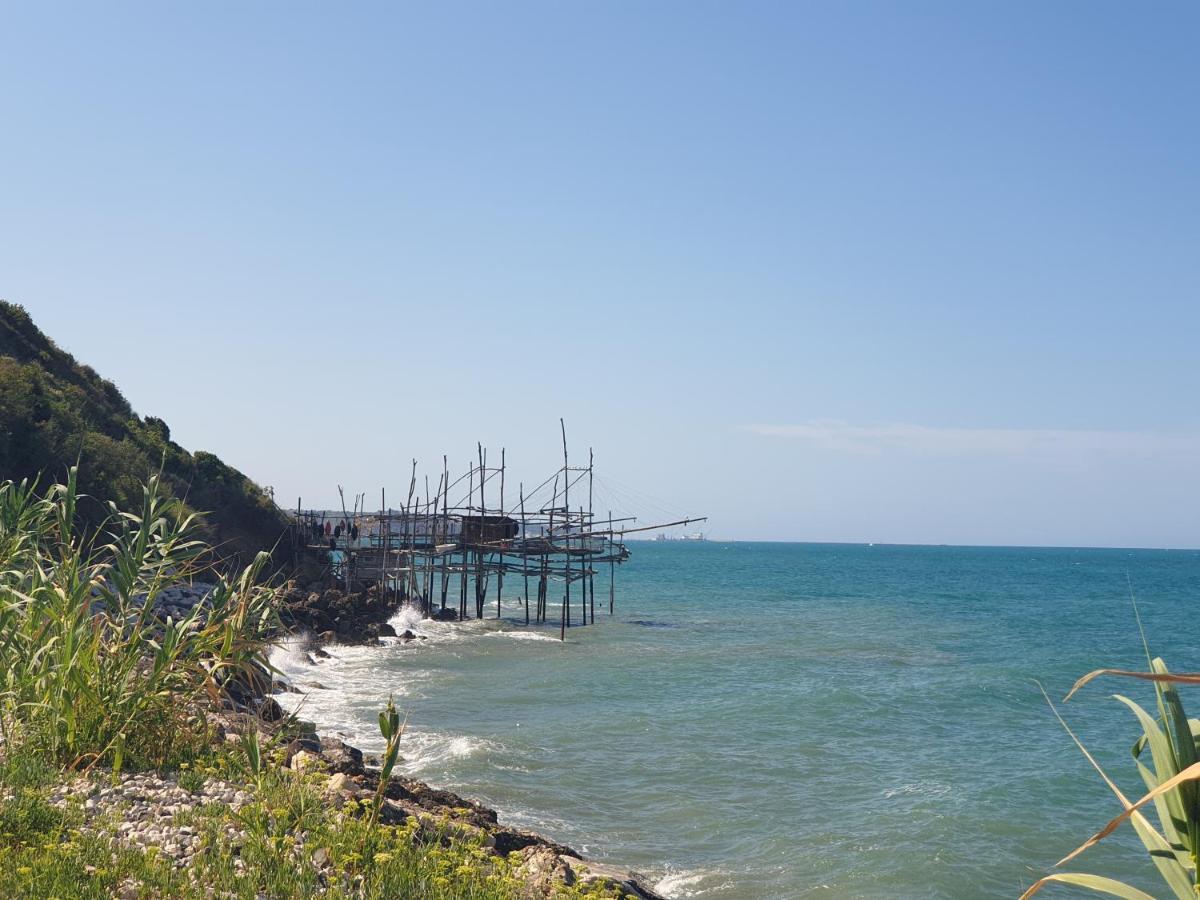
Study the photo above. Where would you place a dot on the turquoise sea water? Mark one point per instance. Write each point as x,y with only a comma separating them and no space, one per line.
796,720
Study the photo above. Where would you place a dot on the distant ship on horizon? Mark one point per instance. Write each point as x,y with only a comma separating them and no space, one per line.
694,536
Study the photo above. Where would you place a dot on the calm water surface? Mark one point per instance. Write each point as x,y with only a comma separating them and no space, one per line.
795,720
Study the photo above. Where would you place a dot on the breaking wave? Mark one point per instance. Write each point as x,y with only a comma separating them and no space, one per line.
691,883
523,636
423,751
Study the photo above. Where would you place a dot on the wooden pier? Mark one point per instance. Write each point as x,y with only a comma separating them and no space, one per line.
445,557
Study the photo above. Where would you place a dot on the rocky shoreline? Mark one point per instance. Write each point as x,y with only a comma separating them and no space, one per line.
546,865
150,803
332,616
147,811
328,615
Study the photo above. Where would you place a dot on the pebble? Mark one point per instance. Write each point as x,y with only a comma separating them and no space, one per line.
143,810
146,806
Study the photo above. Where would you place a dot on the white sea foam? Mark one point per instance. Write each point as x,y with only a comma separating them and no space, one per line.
692,883
349,680
408,618
523,636
424,750
333,691
919,788
290,651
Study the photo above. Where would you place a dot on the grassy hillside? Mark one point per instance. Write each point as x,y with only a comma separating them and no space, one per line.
55,410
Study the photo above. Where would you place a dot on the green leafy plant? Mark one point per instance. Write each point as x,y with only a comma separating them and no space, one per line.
89,671
252,748
91,675
392,729
1167,760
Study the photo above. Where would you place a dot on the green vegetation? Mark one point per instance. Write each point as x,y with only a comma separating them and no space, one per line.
55,412
295,844
392,731
1169,742
91,681
83,688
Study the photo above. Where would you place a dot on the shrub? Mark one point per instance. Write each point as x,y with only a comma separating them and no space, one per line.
56,411
88,671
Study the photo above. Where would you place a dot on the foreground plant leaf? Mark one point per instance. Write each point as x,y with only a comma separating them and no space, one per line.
1191,773
1171,861
1093,882
1161,677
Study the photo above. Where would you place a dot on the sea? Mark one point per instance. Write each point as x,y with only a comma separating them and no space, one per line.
761,720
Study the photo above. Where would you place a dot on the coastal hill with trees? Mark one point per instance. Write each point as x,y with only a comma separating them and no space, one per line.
55,411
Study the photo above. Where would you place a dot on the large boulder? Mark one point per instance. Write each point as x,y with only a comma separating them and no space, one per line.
341,757
335,616
544,870
269,710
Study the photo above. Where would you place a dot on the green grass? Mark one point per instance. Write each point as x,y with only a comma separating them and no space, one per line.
44,852
118,687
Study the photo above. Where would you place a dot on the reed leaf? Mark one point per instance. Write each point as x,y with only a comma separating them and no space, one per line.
1174,864
88,672
1191,773
1160,677
1094,882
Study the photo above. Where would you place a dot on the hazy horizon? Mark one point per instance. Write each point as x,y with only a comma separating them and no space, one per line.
717,539
824,273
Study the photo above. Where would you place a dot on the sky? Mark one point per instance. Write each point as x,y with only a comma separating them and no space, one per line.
843,271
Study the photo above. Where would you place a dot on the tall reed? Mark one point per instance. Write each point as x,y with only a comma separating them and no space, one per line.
89,672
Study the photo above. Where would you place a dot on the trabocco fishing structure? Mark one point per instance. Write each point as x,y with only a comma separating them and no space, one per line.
436,553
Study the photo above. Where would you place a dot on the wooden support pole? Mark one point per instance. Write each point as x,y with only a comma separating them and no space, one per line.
445,558
409,519
427,569
566,619
462,602
524,549
545,560
500,569
583,611
591,576
297,532
480,585
541,599
346,557
612,566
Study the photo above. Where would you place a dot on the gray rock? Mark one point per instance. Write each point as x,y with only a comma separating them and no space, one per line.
341,757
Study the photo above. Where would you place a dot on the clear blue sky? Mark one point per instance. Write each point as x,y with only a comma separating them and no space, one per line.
919,272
